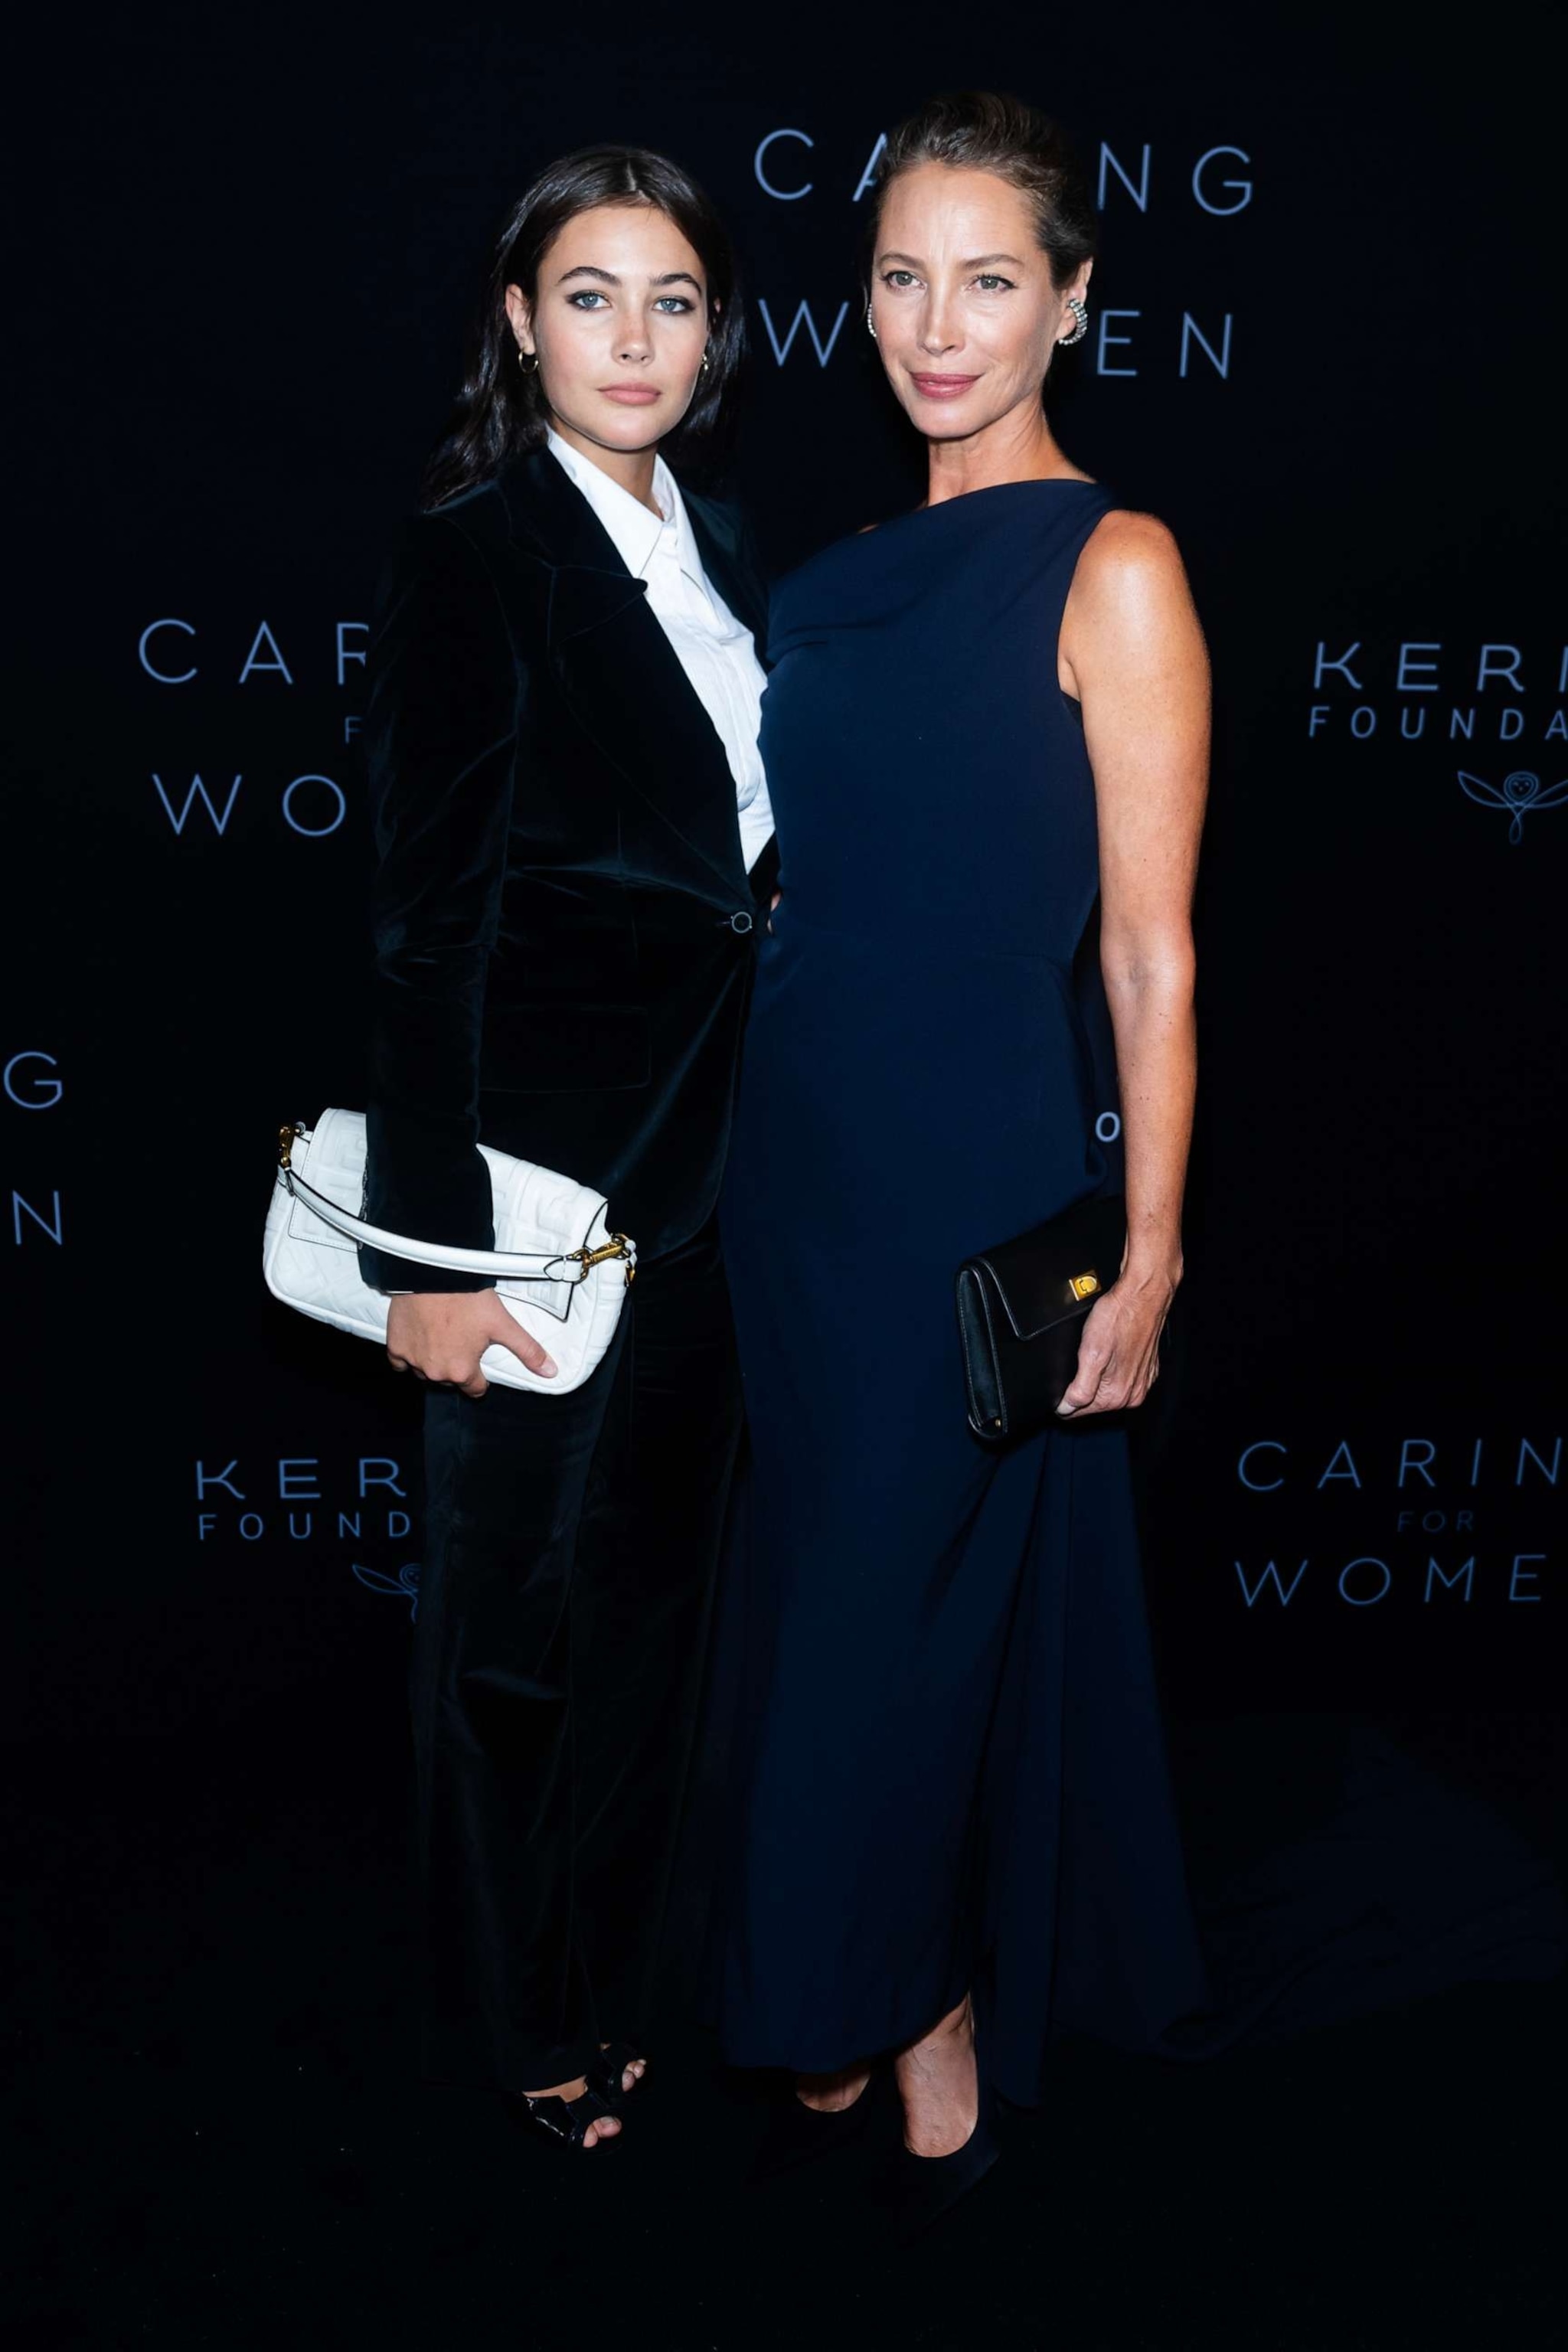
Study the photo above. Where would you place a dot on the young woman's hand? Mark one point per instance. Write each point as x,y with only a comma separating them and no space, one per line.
440,1335
1119,1354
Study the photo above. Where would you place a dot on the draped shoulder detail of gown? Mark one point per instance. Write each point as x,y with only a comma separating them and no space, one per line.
953,1769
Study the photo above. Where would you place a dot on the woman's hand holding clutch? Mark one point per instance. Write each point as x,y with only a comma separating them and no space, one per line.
1119,1353
440,1335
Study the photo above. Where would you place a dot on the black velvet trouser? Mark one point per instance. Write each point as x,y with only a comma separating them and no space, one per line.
571,1550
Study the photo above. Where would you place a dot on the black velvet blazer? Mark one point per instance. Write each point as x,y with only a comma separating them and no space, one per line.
564,928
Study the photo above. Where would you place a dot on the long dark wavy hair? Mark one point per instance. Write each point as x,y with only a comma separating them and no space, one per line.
501,411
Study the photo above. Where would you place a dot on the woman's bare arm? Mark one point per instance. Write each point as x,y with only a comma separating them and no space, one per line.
1134,653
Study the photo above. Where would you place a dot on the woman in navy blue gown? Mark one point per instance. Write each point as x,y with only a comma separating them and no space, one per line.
983,714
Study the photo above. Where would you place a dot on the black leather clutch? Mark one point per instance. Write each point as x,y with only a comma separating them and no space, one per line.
1021,1310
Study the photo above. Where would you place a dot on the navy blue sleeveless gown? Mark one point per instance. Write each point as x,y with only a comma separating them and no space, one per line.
952,1770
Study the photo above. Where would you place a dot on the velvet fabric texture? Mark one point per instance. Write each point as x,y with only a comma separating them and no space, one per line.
565,926
570,1548
565,934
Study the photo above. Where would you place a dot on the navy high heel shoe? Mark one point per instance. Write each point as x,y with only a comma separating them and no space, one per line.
924,2188
798,2136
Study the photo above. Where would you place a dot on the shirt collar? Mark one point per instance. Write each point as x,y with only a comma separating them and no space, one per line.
637,534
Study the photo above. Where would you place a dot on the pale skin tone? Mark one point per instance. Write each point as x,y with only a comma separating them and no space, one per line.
962,289
618,323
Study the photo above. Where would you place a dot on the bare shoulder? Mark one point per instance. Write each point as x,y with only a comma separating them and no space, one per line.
1130,612
1127,556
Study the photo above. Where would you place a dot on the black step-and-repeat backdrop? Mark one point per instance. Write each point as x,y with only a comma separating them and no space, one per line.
1319,348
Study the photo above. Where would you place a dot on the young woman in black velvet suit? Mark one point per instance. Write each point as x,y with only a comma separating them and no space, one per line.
571,824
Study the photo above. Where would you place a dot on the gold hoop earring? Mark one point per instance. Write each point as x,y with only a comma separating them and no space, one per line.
522,358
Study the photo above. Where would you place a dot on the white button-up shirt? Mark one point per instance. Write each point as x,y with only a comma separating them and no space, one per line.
715,650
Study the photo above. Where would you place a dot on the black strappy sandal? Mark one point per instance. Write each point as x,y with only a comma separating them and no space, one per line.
566,2120
606,2075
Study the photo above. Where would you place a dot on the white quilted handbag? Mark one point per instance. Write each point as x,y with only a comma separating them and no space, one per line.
557,1267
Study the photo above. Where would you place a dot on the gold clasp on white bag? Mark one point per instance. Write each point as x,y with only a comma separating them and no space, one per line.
617,1246
286,1145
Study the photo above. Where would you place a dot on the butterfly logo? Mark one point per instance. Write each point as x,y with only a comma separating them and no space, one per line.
405,1585
1519,792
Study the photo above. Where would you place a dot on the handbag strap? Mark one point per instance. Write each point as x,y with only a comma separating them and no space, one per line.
516,1266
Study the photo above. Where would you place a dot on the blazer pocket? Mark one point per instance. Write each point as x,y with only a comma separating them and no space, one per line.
563,1048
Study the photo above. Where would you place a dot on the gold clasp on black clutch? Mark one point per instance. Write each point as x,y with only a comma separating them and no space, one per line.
1021,1312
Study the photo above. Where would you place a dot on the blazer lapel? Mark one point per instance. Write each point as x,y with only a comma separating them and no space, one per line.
729,565
622,676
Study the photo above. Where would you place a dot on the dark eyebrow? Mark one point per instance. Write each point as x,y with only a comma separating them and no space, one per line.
607,278
979,261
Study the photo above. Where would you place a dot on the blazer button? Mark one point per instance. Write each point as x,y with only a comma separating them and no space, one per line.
740,922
